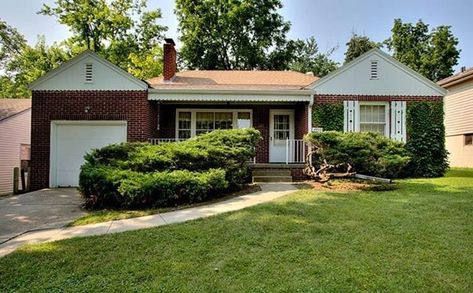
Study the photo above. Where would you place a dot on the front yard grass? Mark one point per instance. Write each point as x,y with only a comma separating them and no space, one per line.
416,238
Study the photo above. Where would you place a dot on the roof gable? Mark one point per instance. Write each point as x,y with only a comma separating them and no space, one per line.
71,75
393,78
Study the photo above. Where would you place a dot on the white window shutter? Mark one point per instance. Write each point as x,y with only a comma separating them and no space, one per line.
398,121
351,116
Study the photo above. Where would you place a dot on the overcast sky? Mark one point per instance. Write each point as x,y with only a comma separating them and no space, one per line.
330,21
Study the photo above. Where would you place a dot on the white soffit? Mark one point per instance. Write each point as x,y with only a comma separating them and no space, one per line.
393,78
88,72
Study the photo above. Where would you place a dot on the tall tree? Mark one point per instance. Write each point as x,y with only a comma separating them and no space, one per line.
431,53
11,42
358,45
28,65
20,64
308,58
122,31
234,34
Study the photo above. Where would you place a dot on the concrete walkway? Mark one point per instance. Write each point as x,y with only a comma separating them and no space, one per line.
268,192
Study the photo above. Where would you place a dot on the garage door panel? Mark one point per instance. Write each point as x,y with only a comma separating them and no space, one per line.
73,141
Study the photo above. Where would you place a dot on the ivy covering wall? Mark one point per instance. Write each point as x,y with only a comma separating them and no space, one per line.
425,134
426,139
328,116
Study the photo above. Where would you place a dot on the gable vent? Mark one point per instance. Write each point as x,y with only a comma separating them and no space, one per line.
89,73
374,69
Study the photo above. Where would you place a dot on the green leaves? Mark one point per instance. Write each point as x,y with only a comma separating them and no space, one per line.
236,34
144,175
122,31
328,116
306,57
432,54
368,153
426,139
358,45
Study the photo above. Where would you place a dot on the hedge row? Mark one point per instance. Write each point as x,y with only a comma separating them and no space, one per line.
368,153
145,175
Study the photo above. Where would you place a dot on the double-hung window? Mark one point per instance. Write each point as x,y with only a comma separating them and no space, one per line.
374,118
191,122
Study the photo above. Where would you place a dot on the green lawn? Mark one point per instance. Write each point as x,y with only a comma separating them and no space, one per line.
416,238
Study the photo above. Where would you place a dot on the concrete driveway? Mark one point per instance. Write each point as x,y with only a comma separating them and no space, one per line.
47,208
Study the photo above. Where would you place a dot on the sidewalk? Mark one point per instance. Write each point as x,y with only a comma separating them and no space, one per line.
268,192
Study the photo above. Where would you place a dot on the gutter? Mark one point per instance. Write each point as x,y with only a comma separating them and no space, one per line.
304,92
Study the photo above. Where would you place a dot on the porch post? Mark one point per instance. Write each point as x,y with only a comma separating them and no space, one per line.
287,151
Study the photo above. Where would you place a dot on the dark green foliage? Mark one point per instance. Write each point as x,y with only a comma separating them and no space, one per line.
432,54
328,116
358,45
426,139
368,153
238,34
144,175
307,57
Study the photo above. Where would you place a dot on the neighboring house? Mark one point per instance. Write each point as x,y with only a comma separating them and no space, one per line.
88,102
459,117
15,131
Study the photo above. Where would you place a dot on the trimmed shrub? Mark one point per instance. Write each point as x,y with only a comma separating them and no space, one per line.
426,139
144,175
368,153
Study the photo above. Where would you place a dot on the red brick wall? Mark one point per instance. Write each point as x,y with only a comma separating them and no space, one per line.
169,62
132,106
324,99
167,121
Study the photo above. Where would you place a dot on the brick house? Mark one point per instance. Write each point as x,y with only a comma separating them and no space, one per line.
89,102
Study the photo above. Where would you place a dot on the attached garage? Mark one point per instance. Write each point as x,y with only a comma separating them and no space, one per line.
71,140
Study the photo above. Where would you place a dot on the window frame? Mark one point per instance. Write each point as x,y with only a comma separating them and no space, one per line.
387,116
465,137
194,111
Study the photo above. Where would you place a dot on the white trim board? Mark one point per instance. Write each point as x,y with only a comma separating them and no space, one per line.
193,112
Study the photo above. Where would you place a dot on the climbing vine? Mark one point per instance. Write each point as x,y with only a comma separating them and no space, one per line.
426,139
328,116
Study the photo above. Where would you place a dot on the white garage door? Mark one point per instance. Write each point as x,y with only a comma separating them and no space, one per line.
72,140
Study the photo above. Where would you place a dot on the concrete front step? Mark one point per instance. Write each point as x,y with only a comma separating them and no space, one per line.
271,172
259,179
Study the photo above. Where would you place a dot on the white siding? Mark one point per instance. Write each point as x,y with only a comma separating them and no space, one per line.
14,131
459,109
392,79
461,155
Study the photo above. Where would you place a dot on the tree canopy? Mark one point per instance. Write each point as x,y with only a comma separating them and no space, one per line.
236,34
308,58
123,31
358,45
431,53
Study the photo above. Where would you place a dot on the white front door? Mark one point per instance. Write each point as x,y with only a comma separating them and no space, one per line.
71,140
281,128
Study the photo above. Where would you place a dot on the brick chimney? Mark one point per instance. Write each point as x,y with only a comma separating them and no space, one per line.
170,66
